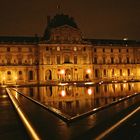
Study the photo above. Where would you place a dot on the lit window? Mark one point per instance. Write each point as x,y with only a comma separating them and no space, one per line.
58,48
75,49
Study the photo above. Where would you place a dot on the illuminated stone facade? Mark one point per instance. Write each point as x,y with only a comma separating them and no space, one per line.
62,54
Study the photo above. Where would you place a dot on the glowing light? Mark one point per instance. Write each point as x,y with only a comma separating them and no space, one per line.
4,78
62,71
125,39
16,78
63,93
101,82
4,96
89,91
88,71
89,83
63,84
124,85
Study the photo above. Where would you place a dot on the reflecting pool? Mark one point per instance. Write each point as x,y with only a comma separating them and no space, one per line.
75,100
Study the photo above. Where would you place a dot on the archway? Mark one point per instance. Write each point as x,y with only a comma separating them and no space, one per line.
48,75
68,75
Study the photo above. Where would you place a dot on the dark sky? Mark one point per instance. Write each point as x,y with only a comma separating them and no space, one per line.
104,19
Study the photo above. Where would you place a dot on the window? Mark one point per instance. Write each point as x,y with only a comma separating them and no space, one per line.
67,59
112,60
19,61
84,48
120,60
75,59
112,72
48,60
103,49
105,88
120,72
19,49
8,49
104,72
95,50
127,60
58,48
96,73
30,75
128,71
9,72
119,50
95,60
75,49
111,50
84,59
20,72
103,60
47,48
58,59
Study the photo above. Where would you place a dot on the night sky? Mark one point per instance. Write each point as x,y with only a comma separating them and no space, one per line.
102,19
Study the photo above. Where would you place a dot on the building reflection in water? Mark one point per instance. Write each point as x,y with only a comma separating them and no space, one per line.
74,100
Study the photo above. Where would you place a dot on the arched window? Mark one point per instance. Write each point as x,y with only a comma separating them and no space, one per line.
9,72
30,75
20,72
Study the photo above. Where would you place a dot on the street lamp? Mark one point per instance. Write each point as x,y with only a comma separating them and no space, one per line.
88,71
89,91
62,72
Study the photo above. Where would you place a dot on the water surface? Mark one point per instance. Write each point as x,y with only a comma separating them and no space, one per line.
75,100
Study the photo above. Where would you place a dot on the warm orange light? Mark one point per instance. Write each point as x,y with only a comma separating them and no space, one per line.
124,85
63,93
4,78
88,71
15,77
89,91
62,71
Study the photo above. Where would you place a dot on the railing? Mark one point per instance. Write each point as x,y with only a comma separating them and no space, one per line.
118,124
31,131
